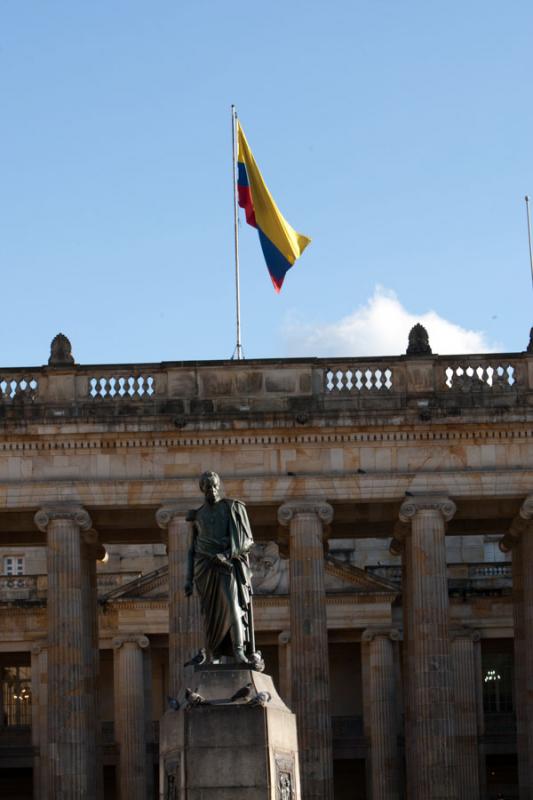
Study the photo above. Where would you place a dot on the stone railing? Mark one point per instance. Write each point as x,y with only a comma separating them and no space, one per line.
32,588
227,388
22,587
477,575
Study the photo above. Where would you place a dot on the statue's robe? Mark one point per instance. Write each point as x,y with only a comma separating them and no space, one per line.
224,594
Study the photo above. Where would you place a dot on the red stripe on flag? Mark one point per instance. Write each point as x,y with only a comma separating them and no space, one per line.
245,201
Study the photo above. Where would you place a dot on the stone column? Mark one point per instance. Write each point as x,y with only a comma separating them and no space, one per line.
466,685
185,631
285,670
91,551
309,635
130,717
520,540
383,733
39,712
73,771
430,680
398,547
149,720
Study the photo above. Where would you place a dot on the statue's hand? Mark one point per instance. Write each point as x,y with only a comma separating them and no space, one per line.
222,562
188,589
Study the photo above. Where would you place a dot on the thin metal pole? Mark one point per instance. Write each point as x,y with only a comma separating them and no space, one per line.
529,236
237,353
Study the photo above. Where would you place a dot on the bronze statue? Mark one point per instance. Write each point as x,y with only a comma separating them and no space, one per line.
218,565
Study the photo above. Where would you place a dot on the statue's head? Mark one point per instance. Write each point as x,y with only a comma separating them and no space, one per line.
210,486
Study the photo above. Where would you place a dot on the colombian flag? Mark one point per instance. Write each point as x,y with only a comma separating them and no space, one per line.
281,244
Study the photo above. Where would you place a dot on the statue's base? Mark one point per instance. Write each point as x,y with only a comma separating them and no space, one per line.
220,749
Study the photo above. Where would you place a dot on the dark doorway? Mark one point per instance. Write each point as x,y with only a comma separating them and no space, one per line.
349,779
16,784
502,776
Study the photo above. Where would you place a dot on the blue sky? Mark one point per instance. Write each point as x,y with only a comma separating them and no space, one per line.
398,135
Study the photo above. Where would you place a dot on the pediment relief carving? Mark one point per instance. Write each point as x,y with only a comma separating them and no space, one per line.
270,578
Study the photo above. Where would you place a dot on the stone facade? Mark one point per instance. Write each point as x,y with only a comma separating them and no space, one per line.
379,492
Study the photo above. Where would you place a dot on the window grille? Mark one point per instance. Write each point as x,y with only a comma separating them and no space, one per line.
13,565
15,686
497,683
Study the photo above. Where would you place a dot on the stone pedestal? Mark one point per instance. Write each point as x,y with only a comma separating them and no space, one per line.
222,750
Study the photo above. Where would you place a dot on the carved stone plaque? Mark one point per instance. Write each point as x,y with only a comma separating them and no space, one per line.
172,780
284,776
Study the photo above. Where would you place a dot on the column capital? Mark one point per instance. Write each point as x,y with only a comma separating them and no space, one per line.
139,639
464,632
526,509
169,511
293,508
382,632
69,511
39,646
284,637
437,504
520,524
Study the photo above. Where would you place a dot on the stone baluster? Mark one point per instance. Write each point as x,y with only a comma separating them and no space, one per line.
466,682
73,769
285,671
383,729
430,681
309,652
185,632
130,716
520,540
39,713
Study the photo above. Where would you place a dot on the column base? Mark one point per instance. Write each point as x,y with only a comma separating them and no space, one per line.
218,748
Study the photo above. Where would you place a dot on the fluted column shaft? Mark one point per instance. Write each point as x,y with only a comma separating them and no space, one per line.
285,667
90,551
466,682
309,637
383,735
520,540
523,660
407,671
130,717
39,714
185,631
431,678
72,734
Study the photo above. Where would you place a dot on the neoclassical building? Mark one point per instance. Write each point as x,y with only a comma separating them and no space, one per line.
391,501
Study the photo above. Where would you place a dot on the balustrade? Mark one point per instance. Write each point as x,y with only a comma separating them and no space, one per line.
136,387
199,388
357,379
17,386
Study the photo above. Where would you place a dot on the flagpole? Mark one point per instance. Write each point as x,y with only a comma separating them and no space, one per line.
529,235
237,353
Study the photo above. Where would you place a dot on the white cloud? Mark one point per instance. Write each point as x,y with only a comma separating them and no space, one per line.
380,327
